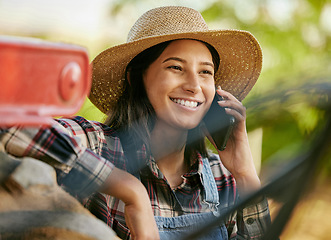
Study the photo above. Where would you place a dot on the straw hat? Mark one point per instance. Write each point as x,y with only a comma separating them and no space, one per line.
240,53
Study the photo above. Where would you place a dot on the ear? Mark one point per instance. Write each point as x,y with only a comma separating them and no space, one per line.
128,75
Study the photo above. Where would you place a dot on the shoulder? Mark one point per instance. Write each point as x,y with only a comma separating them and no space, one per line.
77,124
80,127
95,135
217,166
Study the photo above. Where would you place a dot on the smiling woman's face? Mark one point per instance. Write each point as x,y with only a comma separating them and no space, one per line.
180,84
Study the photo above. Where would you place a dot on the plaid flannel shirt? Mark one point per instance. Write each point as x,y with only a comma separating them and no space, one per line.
84,153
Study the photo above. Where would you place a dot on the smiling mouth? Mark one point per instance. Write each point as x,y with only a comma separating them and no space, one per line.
186,103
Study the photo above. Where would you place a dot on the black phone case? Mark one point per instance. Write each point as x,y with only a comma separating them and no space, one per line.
218,123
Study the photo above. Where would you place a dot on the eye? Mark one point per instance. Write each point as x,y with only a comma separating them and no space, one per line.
207,72
175,67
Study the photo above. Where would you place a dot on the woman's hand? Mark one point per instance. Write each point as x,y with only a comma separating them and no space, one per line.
237,156
138,212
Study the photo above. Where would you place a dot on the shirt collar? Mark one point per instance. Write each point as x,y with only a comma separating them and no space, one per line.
196,165
144,156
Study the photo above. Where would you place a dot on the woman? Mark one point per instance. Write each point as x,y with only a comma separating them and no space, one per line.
156,89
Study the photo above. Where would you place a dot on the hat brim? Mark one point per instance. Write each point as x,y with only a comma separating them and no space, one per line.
240,63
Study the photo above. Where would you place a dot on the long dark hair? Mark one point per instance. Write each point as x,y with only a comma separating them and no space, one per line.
134,113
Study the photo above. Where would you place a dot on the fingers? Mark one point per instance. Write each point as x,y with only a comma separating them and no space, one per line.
226,95
232,105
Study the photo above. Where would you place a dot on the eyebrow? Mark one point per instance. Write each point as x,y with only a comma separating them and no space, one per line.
184,61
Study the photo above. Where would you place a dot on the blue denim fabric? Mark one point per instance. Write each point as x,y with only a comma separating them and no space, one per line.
177,227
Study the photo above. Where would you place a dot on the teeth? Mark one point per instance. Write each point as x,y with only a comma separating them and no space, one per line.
186,103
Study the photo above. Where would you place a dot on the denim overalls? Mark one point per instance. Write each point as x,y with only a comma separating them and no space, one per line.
171,228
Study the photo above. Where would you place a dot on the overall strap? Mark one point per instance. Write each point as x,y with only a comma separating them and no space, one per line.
211,192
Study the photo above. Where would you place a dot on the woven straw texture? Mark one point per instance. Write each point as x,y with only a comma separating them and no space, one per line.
240,53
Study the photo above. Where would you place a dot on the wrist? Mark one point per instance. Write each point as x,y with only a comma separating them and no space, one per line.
247,184
124,186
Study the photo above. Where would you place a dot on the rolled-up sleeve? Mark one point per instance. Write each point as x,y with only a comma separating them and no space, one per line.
253,220
87,174
77,154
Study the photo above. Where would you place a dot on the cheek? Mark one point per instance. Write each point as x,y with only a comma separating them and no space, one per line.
210,93
155,95
151,95
150,87
153,82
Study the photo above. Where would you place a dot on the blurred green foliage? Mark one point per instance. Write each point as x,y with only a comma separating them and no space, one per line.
286,100
296,46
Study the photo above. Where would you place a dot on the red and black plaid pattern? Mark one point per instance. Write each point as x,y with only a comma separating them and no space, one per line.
84,153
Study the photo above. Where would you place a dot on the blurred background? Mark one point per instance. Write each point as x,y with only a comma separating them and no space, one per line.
286,108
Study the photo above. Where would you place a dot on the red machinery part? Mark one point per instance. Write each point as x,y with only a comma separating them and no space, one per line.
41,79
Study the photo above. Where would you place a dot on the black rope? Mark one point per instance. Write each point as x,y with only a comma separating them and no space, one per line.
290,183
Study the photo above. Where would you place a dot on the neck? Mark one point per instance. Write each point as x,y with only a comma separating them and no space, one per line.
168,147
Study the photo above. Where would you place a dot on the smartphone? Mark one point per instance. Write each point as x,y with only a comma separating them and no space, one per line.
218,123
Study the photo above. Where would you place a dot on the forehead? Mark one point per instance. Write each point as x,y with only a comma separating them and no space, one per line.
187,47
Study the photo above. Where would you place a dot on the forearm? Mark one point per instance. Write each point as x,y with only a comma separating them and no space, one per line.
242,168
138,211
247,184
124,186
79,170
254,219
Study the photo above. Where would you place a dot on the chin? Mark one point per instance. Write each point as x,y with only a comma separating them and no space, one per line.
190,126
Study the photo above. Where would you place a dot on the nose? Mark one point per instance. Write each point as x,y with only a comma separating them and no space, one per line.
192,83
